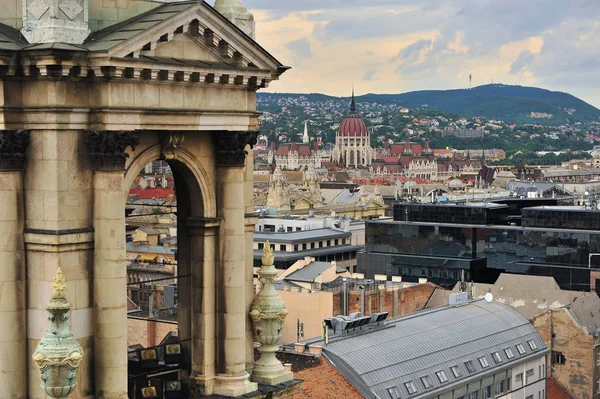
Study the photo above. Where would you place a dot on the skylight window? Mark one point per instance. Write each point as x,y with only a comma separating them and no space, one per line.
532,344
470,366
441,375
455,371
521,349
394,393
483,361
427,383
497,357
509,353
410,387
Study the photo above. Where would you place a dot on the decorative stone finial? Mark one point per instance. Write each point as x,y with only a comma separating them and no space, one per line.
58,354
268,313
59,287
268,258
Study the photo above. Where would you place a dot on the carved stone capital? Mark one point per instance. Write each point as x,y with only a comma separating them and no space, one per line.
170,142
13,147
107,148
231,147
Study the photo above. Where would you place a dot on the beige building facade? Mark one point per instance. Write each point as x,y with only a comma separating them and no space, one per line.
78,121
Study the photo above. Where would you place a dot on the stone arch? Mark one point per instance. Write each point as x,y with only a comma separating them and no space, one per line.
205,187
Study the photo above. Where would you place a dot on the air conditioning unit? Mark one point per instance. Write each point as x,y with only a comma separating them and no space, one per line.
458,299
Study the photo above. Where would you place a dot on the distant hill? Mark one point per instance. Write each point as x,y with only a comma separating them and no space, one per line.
516,104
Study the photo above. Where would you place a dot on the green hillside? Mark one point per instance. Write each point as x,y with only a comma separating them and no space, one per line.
507,103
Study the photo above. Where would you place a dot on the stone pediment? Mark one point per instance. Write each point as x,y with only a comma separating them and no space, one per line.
181,32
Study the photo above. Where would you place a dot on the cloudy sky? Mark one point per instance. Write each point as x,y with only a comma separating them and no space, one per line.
392,46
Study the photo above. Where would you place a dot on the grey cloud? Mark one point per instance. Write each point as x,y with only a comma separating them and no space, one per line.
412,52
523,60
300,48
369,75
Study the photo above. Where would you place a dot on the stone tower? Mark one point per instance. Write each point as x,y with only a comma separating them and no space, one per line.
55,21
235,11
80,116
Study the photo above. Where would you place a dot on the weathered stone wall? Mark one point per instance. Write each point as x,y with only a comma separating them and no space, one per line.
576,375
148,332
407,300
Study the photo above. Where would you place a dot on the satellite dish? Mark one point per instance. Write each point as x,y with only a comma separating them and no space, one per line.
489,297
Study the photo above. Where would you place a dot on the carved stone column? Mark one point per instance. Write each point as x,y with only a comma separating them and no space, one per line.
203,235
13,305
107,153
232,379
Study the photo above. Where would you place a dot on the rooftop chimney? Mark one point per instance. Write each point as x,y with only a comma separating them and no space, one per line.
235,11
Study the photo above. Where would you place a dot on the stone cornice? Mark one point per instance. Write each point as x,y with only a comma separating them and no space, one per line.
13,149
107,149
230,147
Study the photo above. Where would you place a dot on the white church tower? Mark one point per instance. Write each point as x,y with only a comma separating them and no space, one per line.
305,138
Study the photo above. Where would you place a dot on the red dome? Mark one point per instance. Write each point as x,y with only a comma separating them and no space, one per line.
353,126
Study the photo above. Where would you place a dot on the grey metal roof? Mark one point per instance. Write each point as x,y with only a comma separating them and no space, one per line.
310,272
152,249
300,236
11,38
426,342
295,255
109,37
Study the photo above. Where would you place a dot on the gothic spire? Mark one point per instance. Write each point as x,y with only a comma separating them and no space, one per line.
353,103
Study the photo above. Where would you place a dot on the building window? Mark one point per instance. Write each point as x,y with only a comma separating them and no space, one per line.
483,361
261,245
500,388
487,392
282,247
519,378
394,393
474,395
328,243
509,353
532,344
598,359
295,247
528,376
320,244
470,366
441,375
529,397
497,357
455,371
410,387
312,245
426,382
521,349
304,246
290,229
508,384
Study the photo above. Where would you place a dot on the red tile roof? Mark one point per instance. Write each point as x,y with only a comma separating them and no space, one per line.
152,193
554,391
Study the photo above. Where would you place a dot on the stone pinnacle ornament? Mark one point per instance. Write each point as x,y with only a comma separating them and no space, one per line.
58,354
268,313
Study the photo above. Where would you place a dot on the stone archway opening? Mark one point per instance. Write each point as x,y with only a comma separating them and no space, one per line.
161,201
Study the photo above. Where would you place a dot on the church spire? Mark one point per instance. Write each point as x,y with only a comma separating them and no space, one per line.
305,138
353,103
